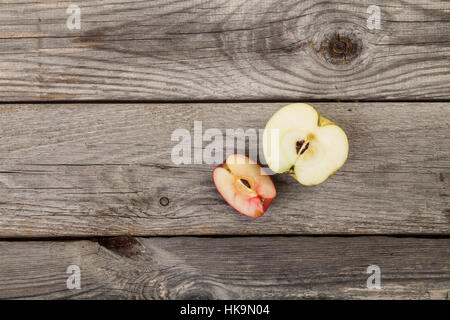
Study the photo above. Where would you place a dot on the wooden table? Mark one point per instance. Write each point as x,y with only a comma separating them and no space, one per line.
86,176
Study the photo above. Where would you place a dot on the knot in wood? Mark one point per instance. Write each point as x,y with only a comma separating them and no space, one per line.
340,48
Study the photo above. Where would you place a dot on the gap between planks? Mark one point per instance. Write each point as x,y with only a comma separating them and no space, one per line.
227,236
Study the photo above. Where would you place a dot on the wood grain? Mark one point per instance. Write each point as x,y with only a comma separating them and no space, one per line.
103,169
227,268
232,50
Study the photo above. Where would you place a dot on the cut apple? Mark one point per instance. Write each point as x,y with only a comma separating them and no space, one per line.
244,185
299,141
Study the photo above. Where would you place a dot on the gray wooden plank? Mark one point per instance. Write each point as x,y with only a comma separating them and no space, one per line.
239,49
227,268
88,170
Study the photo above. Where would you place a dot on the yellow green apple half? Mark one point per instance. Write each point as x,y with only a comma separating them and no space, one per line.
308,146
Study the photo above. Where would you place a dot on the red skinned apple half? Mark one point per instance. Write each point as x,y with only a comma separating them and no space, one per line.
244,185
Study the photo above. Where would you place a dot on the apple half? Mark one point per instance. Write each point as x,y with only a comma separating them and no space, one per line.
244,185
308,146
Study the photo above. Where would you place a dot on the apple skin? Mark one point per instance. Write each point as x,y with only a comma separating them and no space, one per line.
255,201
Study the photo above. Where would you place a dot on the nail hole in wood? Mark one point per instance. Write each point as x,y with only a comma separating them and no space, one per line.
164,201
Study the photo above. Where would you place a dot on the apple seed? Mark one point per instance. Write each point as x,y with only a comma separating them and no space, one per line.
245,183
299,145
306,148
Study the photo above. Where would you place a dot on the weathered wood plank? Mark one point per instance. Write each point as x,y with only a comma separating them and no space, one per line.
228,268
87,170
239,49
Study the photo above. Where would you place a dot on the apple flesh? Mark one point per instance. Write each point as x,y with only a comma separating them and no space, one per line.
308,146
244,185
